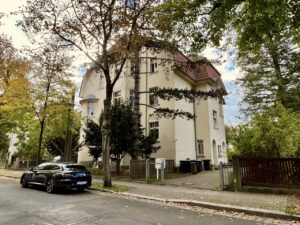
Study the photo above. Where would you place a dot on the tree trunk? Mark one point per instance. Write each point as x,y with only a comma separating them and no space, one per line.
42,128
106,138
68,150
43,121
118,167
280,83
136,114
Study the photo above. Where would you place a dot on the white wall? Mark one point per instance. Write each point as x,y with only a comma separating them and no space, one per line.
13,139
217,134
184,129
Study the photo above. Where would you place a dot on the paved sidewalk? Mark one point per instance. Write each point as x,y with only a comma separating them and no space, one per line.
209,180
253,200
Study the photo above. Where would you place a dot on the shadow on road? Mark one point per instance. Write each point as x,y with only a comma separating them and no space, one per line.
60,191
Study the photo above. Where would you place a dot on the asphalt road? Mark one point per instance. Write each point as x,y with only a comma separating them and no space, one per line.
33,206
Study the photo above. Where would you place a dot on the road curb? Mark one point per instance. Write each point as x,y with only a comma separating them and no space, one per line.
221,207
9,176
246,210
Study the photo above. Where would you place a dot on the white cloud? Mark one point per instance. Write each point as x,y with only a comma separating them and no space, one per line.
228,69
8,6
9,21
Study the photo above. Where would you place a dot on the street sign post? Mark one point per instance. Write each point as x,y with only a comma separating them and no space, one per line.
160,164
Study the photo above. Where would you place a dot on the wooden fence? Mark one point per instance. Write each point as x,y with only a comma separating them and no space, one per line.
270,172
138,168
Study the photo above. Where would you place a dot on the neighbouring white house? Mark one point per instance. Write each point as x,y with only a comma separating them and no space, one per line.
180,139
12,149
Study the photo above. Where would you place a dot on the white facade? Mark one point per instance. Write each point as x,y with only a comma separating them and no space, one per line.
13,139
180,139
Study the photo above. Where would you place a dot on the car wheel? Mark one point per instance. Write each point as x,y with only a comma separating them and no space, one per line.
24,183
50,186
80,189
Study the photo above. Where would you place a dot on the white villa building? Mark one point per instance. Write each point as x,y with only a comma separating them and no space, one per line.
179,139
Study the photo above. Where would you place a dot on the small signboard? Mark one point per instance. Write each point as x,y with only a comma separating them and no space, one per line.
158,163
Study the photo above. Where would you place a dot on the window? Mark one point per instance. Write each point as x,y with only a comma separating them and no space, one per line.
90,109
200,147
215,119
153,98
221,108
154,128
75,168
213,87
52,167
132,70
117,96
131,97
153,65
117,69
101,81
219,151
40,167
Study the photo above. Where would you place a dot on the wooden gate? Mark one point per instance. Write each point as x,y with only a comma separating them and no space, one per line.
270,172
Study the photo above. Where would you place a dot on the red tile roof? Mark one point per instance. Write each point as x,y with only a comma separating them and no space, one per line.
197,70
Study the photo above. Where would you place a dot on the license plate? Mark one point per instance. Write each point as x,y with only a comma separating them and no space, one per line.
81,182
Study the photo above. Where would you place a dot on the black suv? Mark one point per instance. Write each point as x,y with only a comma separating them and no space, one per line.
57,175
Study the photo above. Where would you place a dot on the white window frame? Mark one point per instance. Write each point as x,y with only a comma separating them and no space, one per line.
220,155
101,81
132,69
215,119
90,109
131,97
221,108
117,95
153,99
117,68
200,147
153,65
154,126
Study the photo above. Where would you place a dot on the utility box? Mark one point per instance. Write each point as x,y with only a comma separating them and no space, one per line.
158,163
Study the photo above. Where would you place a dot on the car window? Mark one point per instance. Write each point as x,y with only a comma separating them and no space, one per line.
40,167
52,167
75,168
48,167
56,167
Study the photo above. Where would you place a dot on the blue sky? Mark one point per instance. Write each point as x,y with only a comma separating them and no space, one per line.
232,100
229,70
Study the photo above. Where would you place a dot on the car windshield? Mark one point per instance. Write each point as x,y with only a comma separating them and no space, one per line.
75,168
